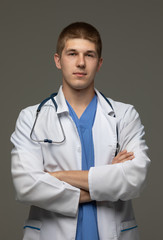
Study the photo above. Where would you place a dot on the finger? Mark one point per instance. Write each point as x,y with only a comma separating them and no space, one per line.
128,155
122,152
130,158
125,160
125,156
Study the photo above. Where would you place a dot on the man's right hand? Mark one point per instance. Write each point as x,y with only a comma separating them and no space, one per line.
123,157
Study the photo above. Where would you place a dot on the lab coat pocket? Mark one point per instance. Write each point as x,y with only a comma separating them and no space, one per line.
32,230
129,230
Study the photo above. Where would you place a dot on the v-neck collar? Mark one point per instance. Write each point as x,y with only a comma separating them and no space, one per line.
87,117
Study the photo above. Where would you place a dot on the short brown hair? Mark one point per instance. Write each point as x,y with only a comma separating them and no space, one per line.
79,30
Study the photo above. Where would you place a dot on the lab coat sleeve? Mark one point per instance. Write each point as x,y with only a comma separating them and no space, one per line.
33,186
125,180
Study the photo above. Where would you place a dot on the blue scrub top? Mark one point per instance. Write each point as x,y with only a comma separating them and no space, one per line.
87,227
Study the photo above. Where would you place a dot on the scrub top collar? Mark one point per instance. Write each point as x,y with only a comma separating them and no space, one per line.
62,105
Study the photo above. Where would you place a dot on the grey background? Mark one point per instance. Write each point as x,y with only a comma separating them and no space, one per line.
132,72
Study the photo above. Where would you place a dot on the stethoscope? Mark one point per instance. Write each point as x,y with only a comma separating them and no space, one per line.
46,140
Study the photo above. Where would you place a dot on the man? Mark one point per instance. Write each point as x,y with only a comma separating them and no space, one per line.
80,182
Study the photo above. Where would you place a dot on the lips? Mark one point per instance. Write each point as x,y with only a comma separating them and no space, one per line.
80,74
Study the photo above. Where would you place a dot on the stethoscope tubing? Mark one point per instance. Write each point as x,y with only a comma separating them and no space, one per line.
64,137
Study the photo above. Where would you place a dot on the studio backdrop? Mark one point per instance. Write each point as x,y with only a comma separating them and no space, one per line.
132,73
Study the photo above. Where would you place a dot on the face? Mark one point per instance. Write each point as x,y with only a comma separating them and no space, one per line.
79,63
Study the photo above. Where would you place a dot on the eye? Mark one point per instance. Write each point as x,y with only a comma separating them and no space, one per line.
72,54
90,55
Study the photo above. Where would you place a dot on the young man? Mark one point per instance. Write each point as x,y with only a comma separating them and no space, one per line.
81,160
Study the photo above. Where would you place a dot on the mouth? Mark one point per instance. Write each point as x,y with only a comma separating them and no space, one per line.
80,74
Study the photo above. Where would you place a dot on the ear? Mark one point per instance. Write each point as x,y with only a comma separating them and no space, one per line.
99,64
57,60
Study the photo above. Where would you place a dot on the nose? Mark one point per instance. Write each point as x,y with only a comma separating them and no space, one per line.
81,61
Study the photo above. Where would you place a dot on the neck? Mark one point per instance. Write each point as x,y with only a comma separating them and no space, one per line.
79,98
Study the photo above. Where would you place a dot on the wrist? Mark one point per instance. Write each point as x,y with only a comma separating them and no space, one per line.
56,174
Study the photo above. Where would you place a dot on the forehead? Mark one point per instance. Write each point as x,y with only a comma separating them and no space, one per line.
80,44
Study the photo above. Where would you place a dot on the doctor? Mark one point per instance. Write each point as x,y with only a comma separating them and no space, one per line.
79,187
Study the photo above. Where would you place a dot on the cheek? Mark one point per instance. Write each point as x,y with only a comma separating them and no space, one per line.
93,65
66,71
67,65
94,70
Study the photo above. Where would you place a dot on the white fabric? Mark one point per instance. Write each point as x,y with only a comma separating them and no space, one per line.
55,203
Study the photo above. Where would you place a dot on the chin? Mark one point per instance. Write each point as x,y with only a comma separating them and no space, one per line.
81,87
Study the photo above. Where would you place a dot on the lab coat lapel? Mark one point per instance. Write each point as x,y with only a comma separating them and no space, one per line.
104,132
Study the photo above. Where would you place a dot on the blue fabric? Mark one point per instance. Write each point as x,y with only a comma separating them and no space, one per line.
87,227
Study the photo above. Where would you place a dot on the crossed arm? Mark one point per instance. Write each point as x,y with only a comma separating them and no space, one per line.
79,178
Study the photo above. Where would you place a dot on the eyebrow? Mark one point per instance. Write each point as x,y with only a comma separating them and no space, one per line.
71,50
91,51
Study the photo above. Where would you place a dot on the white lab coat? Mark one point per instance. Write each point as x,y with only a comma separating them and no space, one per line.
54,203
